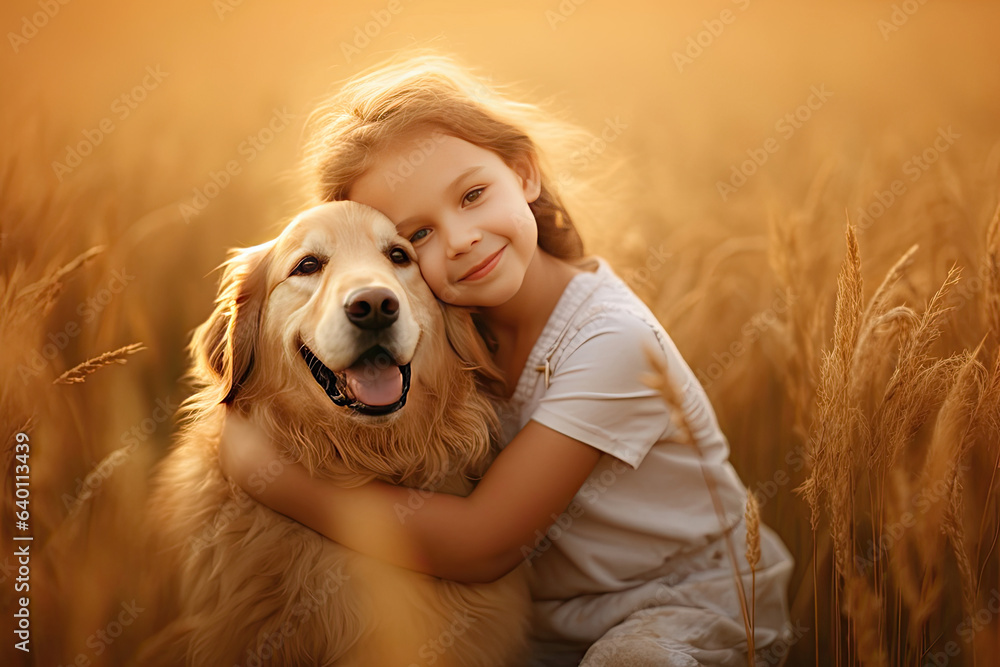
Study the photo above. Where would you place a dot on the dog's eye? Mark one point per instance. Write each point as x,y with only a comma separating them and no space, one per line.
306,266
399,256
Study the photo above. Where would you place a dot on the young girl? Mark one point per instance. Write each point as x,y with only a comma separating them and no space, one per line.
595,487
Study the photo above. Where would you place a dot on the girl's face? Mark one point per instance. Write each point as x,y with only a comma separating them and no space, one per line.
463,209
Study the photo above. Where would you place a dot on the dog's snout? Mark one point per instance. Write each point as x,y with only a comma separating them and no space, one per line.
372,307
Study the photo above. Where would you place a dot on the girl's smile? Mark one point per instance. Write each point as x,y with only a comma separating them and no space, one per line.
482,270
464,210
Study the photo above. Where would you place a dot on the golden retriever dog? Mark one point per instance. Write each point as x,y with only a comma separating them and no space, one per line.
329,340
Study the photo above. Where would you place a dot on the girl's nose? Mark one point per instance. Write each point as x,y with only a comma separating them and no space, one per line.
461,238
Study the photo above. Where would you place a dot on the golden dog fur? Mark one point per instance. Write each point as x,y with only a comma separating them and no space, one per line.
254,587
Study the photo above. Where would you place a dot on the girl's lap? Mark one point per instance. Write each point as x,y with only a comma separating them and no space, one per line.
663,637
670,637
693,620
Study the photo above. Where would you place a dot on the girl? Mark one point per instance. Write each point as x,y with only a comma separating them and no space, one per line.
594,486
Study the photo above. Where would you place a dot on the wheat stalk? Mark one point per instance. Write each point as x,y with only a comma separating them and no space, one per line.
46,290
660,381
832,456
753,552
80,372
991,294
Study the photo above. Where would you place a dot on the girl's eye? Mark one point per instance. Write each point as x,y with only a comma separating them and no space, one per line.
399,256
419,234
472,195
306,266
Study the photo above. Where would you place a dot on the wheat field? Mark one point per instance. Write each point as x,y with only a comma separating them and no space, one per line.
806,196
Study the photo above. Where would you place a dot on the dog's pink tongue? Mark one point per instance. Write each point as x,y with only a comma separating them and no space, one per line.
373,385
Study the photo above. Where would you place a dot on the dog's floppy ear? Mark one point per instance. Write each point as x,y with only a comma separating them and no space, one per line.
466,339
223,346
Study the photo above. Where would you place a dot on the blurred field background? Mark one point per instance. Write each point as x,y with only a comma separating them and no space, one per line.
894,433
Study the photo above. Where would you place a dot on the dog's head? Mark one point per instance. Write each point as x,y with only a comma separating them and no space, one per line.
331,328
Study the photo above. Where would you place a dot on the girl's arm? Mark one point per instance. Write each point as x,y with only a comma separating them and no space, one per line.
478,538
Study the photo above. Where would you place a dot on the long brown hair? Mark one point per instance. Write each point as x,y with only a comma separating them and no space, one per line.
425,89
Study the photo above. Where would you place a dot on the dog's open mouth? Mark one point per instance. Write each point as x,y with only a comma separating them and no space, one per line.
373,385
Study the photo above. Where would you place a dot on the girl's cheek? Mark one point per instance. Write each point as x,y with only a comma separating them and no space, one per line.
443,290
432,281
423,272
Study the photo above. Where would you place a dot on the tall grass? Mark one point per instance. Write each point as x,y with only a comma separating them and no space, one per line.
862,403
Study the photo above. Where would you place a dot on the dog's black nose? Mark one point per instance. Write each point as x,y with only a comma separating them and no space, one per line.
372,307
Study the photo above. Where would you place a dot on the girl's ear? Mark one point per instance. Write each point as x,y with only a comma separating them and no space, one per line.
527,169
223,346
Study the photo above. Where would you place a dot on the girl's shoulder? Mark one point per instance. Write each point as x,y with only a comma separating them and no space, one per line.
598,304
601,294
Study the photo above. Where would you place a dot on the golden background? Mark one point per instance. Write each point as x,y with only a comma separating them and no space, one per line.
690,98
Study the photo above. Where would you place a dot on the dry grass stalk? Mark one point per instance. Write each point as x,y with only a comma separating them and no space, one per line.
660,381
876,317
44,292
991,300
80,372
954,529
865,606
904,404
679,307
832,454
903,552
962,412
880,327
939,478
802,327
912,390
988,425
753,552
